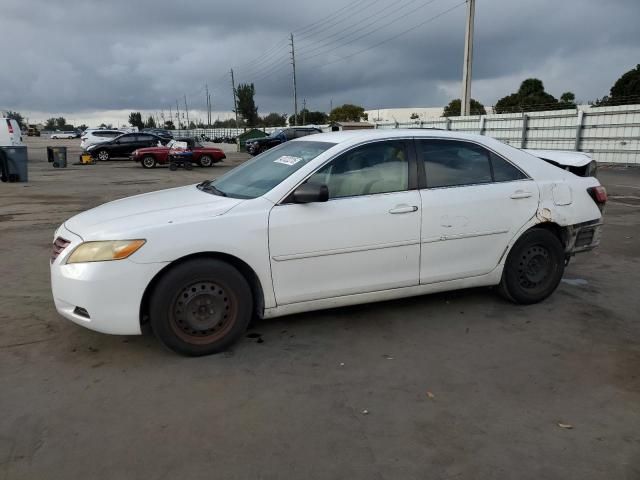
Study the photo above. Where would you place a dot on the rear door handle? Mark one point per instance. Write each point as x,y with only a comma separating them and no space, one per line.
521,194
404,209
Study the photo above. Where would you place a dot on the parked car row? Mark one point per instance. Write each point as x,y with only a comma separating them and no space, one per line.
256,146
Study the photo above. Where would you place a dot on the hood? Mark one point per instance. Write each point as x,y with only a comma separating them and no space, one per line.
563,158
150,149
128,217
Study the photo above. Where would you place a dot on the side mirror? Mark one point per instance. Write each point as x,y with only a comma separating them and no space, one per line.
310,193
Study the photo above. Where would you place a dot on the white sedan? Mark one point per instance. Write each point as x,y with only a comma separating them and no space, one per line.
64,135
326,221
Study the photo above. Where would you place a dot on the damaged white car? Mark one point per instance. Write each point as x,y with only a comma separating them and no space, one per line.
325,221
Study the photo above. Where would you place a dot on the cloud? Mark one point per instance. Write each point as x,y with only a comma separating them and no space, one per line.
93,57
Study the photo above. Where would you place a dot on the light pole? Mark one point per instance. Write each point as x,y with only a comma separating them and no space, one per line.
465,100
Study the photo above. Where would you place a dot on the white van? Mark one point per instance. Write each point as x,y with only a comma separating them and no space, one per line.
10,133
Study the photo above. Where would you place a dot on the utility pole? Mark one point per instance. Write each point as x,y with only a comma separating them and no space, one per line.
206,87
186,107
171,115
465,100
295,89
178,114
235,102
210,110
304,111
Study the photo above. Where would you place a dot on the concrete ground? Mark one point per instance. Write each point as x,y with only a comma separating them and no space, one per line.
454,386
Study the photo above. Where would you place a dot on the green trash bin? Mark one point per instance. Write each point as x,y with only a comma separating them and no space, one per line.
57,156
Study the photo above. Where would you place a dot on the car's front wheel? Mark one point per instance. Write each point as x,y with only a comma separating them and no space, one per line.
534,267
103,155
200,307
148,162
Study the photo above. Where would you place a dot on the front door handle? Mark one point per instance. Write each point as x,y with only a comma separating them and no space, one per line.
404,209
521,194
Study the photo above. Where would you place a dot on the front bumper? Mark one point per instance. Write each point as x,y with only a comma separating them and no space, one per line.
102,296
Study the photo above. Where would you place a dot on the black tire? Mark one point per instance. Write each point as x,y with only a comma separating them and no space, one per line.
534,267
148,161
221,301
188,165
205,161
103,155
173,166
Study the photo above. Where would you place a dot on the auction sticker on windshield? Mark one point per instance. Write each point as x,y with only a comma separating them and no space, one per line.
288,160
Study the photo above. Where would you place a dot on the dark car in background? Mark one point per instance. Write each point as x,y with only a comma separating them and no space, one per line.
124,145
255,146
161,132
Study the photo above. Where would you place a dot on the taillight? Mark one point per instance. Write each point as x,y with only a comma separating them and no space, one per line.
599,195
9,126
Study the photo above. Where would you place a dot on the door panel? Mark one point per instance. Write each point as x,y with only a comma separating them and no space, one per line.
344,246
475,203
365,238
465,230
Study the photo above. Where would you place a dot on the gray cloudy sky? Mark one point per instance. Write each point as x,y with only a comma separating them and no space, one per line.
90,59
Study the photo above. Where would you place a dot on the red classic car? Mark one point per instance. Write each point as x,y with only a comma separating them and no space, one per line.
204,156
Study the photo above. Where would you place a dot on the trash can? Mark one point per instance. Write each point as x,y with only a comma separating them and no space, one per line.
13,164
57,156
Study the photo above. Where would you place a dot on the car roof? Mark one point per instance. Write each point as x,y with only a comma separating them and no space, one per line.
381,133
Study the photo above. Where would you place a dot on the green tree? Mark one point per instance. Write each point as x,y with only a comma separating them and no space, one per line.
150,123
50,124
568,97
625,91
306,117
531,97
453,109
347,113
168,124
229,123
274,120
245,94
83,127
61,122
135,120
17,117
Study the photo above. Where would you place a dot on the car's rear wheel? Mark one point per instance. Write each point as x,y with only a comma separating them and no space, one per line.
103,155
534,267
205,161
201,307
148,161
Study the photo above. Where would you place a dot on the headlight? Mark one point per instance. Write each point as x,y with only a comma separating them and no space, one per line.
104,251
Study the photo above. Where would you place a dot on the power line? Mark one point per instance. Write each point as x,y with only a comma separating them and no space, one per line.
404,32
371,32
349,28
304,31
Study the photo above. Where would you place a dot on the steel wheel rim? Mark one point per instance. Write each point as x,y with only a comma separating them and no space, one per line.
103,155
205,161
203,312
535,267
148,162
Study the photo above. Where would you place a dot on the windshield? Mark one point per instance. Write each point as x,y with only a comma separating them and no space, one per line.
276,133
256,177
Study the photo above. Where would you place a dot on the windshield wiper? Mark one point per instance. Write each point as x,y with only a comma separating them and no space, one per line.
208,187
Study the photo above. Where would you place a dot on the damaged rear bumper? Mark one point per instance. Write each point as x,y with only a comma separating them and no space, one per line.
583,237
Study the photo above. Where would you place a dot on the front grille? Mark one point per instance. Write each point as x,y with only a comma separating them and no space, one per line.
58,246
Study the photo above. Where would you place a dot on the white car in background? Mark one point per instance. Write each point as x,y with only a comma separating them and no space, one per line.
324,221
93,136
64,135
